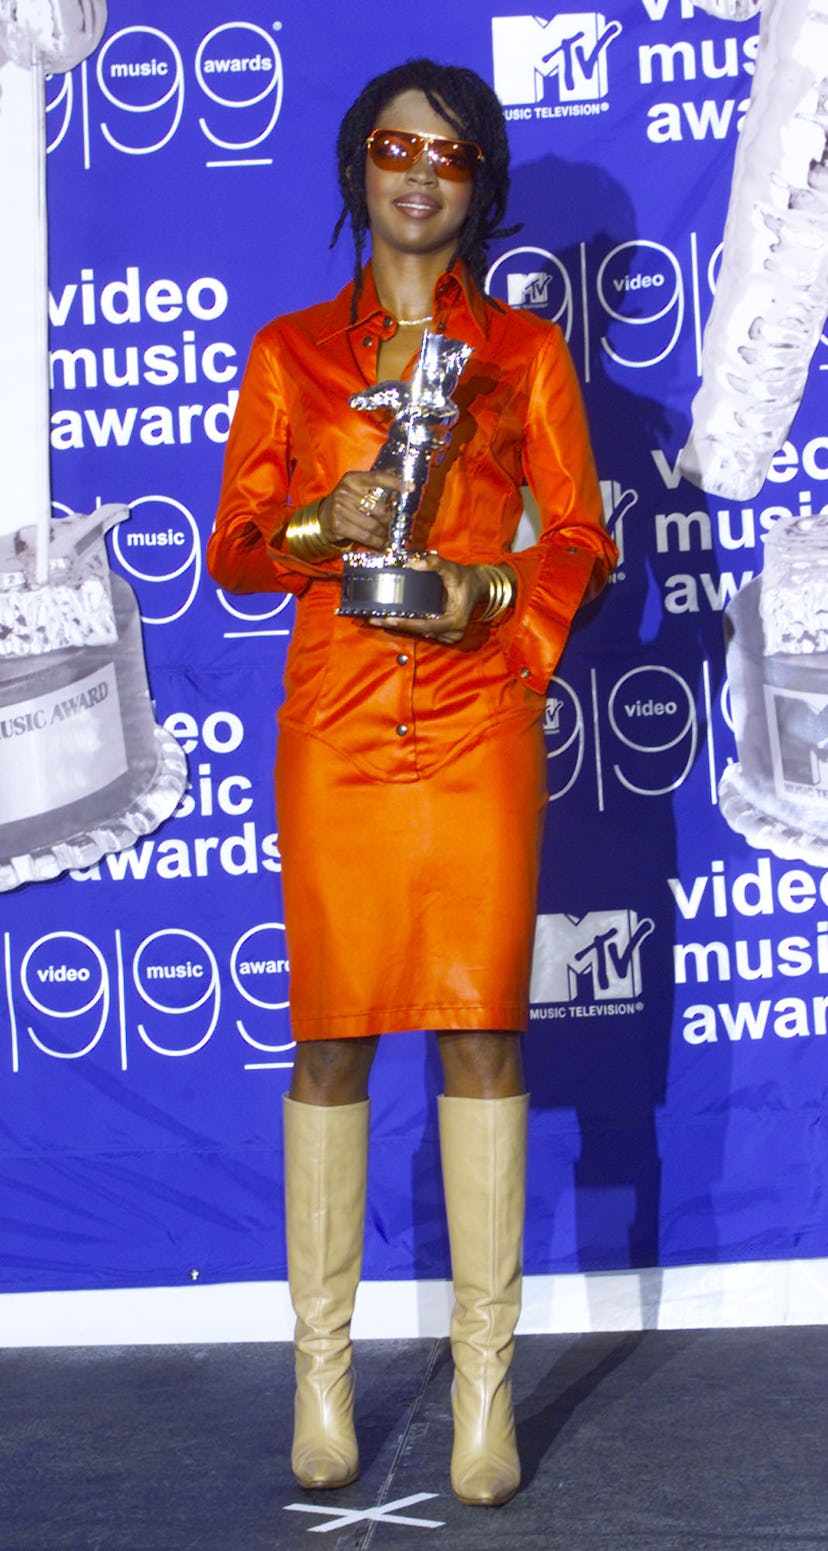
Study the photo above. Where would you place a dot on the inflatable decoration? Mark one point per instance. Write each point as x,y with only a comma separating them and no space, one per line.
772,291
83,767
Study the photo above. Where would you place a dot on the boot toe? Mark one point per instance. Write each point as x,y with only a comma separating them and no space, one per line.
325,1451
488,1482
323,1471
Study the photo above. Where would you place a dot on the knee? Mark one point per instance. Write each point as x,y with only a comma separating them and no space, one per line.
480,1065
332,1071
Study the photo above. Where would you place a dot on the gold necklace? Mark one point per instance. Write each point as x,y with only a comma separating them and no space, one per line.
412,323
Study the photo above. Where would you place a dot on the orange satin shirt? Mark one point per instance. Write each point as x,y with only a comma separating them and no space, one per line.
395,706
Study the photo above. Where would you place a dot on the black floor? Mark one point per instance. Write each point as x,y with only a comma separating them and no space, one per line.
664,1441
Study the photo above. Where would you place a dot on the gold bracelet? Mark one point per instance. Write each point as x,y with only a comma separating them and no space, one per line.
501,594
304,537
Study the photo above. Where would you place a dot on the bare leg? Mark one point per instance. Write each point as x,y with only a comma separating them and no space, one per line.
332,1071
481,1065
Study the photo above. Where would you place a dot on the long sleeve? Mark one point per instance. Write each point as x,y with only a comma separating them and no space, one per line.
244,553
294,435
574,554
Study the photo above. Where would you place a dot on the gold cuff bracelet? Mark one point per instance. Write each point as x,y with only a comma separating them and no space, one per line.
501,594
304,537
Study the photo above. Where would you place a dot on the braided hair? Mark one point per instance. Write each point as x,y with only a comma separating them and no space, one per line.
471,107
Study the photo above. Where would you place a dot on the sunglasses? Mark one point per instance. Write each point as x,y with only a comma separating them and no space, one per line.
396,150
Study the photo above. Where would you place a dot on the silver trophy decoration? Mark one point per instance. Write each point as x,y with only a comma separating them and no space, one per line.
383,582
84,769
772,290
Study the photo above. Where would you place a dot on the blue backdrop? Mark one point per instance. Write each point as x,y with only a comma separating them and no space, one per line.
676,1051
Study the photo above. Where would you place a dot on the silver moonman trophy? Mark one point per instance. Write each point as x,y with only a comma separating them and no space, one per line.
382,582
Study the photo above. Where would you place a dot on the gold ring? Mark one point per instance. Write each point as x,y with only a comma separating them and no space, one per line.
367,503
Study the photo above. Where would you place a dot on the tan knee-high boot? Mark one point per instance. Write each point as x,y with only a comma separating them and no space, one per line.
483,1147
326,1157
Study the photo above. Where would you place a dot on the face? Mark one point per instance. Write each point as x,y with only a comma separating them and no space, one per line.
415,211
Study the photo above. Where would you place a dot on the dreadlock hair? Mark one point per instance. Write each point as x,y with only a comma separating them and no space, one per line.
471,107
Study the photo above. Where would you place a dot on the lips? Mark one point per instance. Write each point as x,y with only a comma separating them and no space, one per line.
417,206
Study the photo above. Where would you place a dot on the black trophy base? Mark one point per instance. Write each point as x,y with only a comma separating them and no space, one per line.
395,592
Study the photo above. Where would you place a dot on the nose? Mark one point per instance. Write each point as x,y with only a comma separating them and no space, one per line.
423,167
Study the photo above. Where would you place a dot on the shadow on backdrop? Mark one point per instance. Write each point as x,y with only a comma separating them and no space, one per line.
602,1134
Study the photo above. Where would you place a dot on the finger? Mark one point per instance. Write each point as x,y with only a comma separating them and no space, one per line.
365,535
362,489
375,500
380,480
430,562
427,629
348,521
366,479
373,524
370,496
371,504
372,512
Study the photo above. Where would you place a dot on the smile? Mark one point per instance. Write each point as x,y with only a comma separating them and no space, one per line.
416,205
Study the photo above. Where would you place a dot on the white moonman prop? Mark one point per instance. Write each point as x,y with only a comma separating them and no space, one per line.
84,770
772,291
35,36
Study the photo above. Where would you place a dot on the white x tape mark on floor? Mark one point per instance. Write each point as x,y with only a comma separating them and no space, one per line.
340,1517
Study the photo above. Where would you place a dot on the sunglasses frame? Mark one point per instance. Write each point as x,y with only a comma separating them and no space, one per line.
434,146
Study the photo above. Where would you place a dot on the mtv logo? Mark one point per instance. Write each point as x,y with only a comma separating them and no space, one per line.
599,952
552,716
527,51
616,503
528,290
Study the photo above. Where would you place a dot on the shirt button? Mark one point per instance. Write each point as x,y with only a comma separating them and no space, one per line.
402,659
402,730
368,341
524,673
387,321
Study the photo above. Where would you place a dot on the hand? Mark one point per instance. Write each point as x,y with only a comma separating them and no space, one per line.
465,587
358,510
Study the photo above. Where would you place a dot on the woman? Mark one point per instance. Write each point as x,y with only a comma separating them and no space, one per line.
410,776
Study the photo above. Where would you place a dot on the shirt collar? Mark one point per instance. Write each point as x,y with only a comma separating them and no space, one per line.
456,301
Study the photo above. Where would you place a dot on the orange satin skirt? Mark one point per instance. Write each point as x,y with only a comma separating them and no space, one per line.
411,904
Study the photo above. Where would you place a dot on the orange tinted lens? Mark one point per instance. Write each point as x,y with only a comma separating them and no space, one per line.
454,159
395,150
